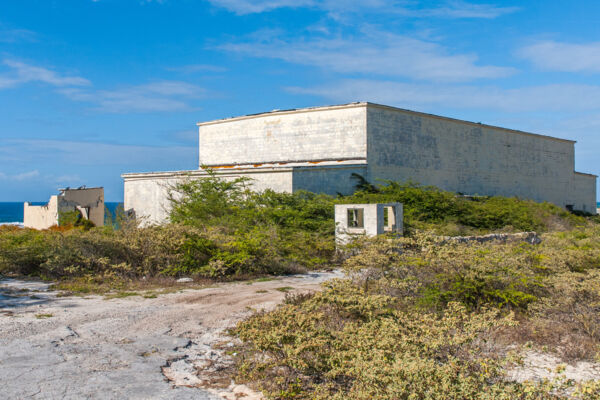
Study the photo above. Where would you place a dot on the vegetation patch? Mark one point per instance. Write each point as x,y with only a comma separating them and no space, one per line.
416,319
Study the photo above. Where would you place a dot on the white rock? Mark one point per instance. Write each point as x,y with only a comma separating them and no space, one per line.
183,280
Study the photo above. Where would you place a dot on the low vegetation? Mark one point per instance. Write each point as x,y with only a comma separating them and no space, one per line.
416,318
419,320
220,230
427,208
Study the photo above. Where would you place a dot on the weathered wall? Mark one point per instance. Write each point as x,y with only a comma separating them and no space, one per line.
327,179
147,194
583,192
89,201
41,217
469,158
334,133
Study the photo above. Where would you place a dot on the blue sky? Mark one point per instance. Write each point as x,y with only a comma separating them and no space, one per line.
92,89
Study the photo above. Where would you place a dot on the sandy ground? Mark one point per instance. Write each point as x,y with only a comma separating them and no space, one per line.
136,348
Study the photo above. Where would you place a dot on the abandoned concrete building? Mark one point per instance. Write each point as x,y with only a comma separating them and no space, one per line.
87,201
318,149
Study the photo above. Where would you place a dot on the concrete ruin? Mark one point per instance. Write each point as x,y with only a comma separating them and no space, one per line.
318,149
367,220
89,202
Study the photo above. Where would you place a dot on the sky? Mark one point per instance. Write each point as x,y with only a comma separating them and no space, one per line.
91,89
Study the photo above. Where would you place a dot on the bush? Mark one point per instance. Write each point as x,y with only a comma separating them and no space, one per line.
420,319
429,208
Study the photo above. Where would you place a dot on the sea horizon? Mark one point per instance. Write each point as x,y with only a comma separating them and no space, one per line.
11,212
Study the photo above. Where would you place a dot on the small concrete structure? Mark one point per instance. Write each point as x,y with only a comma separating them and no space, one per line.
355,220
88,201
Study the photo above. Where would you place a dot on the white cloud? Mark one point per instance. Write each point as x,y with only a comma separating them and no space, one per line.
11,35
375,53
193,68
569,57
20,73
557,97
448,9
250,6
462,9
151,97
23,176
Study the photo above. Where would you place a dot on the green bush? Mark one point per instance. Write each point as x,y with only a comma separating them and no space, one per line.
429,208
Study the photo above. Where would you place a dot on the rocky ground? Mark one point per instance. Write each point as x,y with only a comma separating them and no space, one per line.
167,347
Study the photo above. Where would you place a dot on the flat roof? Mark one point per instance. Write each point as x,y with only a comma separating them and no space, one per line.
368,104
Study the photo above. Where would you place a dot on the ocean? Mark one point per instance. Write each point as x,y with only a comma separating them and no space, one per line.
12,212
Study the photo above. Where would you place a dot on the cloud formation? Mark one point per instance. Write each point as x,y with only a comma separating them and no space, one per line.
556,97
152,97
567,57
11,35
380,53
194,68
23,176
447,9
20,73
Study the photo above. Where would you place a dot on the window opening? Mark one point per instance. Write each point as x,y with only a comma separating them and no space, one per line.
356,218
389,218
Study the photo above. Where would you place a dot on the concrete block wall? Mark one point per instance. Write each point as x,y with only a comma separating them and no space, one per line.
327,179
582,194
469,158
331,133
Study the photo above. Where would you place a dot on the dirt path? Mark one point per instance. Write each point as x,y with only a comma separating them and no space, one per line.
163,348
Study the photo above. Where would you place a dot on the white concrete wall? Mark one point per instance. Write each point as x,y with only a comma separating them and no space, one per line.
325,134
147,194
469,158
41,217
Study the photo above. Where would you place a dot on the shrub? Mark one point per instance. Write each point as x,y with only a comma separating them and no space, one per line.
418,318
429,208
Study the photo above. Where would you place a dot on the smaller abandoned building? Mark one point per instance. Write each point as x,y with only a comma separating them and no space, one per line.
89,202
356,220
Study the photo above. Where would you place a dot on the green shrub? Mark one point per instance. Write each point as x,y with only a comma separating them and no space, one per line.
429,208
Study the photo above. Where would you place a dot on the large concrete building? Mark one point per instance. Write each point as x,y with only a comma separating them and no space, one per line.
318,149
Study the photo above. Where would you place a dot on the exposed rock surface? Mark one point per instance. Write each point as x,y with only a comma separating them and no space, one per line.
135,348
529,237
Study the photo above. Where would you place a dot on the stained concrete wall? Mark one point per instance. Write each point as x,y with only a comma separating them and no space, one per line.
332,133
583,192
327,179
89,201
472,158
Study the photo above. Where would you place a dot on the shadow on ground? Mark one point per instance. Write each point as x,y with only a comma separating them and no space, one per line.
16,293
